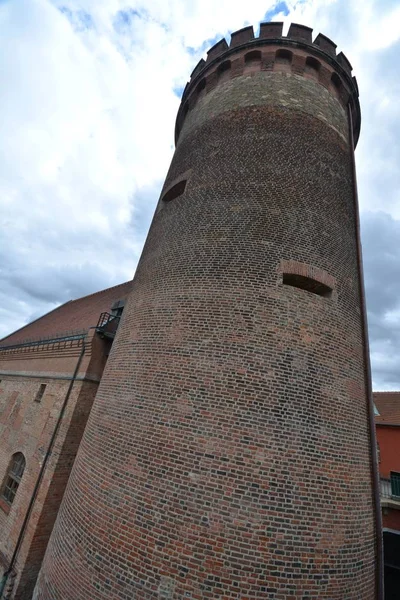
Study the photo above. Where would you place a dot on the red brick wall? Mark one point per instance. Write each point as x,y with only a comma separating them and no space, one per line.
53,487
26,426
391,518
389,449
227,454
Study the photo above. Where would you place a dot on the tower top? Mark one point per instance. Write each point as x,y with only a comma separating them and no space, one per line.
295,53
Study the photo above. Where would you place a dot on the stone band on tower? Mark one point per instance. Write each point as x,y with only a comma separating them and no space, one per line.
228,453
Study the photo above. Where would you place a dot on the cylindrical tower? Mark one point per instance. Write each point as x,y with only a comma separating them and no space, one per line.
228,453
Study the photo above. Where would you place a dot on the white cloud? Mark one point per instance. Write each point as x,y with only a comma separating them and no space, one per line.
89,99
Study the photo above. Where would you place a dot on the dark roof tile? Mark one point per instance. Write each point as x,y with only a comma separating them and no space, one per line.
388,405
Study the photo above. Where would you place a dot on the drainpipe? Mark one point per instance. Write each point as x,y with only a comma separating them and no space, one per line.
6,575
368,381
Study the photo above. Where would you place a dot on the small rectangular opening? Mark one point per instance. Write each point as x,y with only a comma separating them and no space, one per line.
40,393
308,284
176,191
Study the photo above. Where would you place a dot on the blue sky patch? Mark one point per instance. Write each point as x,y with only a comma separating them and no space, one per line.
178,90
281,7
124,18
79,19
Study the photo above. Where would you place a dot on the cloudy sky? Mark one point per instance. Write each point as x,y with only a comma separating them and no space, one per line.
89,94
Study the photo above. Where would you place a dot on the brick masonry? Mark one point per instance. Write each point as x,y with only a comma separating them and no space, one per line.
274,89
227,454
27,426
391,518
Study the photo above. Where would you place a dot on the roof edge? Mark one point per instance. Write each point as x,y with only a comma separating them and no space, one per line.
4,339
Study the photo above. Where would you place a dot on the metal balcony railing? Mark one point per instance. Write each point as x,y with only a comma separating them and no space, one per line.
107,325
390,488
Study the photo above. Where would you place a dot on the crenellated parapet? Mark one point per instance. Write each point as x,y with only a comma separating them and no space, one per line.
296,54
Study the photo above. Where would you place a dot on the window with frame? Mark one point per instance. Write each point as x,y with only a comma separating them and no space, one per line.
118,308
40,392
395,483
13,478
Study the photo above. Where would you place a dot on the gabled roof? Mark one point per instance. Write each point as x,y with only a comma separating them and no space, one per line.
73,316
388,406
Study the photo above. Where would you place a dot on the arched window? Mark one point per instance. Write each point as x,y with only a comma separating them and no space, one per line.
336,83
253,56
252,60
312,66
223,70
283,57
200,86
283,61
13,477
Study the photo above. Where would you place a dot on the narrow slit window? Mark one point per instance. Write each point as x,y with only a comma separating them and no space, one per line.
40,392
176,191
307,284
223,70
336,83
13,478
201,86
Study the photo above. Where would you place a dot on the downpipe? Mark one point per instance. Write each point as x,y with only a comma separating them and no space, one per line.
368,380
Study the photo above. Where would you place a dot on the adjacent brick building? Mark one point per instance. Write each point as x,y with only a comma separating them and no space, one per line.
49,371
229,450
387,419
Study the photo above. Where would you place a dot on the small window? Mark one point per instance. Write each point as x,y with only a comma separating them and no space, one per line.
252,61
13,478
312,66
308,284
254,56
117,308
200,86
283,56
223,70
40,392
395,483
336,82
176,191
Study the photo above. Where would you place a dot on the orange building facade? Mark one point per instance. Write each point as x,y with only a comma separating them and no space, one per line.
387,419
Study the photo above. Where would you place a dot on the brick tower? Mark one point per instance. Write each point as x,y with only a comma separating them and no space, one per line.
228,453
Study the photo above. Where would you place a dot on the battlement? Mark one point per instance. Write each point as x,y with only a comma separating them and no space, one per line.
296,53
